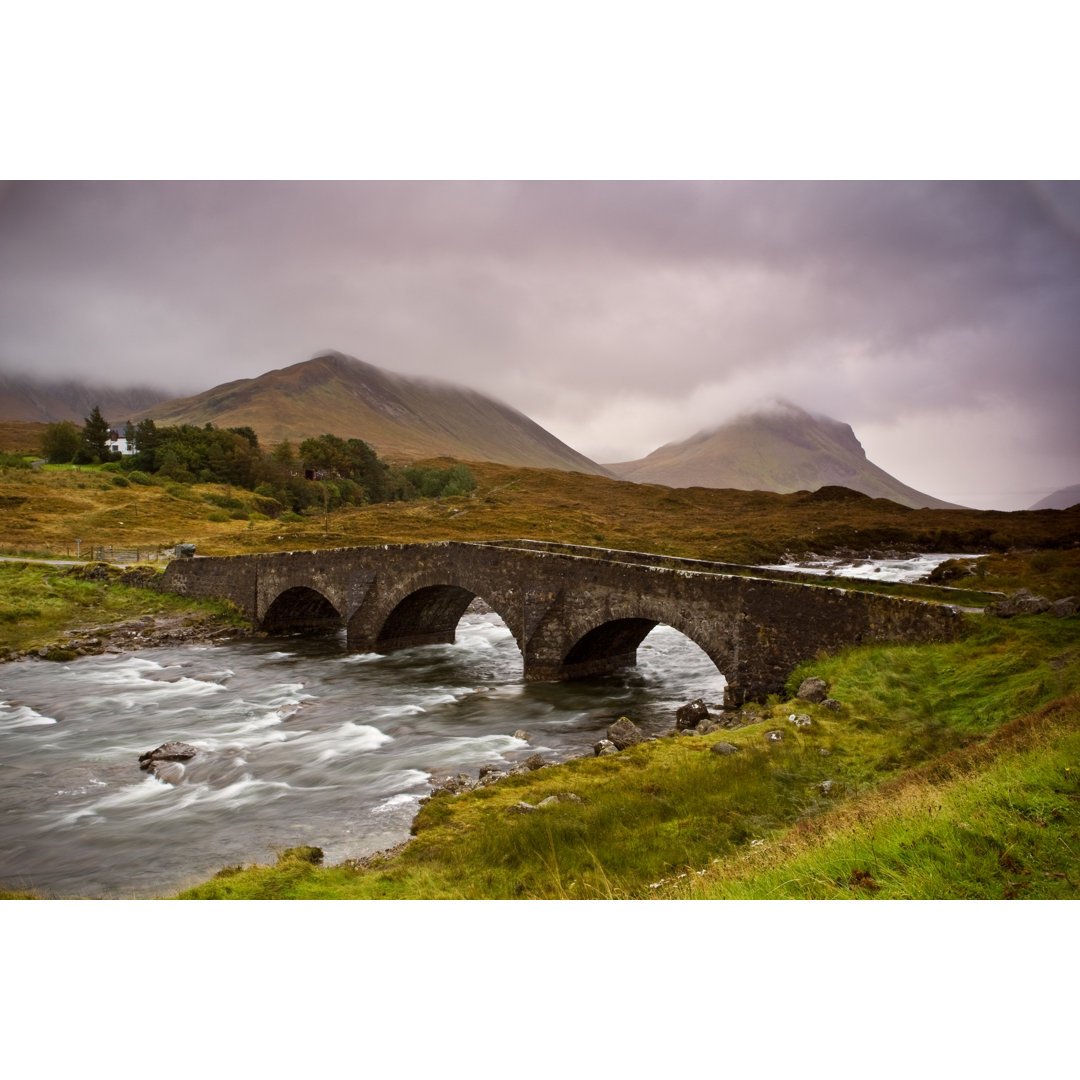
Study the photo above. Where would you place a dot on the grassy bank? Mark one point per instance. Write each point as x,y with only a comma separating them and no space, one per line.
949,730
39,604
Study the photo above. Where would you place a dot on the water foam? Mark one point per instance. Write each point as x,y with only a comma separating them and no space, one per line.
13,717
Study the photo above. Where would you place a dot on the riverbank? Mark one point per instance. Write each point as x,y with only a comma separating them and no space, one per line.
58,613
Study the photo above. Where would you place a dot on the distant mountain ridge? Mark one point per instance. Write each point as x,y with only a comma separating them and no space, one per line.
46,401
782,449
1061,499
401,417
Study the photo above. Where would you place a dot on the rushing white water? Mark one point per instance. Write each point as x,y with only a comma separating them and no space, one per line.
298,743
895,570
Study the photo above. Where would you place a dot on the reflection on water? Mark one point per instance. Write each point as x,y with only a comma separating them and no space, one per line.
299,743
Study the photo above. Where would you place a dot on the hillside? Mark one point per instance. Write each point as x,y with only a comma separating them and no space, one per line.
401,417
783,449
43,401
1061,499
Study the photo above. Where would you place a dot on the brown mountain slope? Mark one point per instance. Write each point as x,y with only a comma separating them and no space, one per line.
402,418
783,449
25,398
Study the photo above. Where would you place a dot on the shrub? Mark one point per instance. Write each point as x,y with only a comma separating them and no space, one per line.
121,481
137,477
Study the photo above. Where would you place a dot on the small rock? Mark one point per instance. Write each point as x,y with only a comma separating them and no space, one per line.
813,690
724,748
562,797
831,703
521,808
624,733
823,752
708,726
689,716
774,736
825,787
491,777
603,747
799,719
523,735
534,762
1065,607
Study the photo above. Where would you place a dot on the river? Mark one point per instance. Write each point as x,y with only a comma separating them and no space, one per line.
299,742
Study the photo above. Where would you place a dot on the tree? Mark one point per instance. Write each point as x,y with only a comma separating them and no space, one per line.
95,435
60,443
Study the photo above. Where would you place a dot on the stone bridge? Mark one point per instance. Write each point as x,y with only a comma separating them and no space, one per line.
574,611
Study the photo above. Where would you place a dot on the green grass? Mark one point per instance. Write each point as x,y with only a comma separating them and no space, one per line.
672,807
38,603
1002,822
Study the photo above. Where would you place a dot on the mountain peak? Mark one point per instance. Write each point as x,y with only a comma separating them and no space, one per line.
779,447
400,416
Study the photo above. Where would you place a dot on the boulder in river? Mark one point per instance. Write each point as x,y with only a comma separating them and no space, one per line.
170,751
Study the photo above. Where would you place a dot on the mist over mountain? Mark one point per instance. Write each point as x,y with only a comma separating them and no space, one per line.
28,399
1061,499
781,448
400,417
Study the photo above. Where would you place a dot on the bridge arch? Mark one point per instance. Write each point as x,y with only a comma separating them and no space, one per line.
425,610
612,644
300,607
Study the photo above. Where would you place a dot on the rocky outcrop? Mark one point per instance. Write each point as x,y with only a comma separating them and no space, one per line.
1022,602
145,632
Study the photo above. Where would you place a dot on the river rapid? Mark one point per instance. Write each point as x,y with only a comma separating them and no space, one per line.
299,742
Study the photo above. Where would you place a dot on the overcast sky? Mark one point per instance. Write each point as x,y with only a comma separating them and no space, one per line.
942,321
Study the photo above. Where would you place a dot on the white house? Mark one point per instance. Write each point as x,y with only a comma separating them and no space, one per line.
116,443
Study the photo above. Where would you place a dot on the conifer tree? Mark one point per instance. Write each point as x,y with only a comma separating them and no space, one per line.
95,435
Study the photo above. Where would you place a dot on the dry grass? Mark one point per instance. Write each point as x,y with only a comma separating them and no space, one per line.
46,510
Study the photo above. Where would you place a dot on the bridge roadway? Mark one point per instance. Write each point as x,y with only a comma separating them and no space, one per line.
574,611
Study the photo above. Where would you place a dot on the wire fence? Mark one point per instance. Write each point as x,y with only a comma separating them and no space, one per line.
114,554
